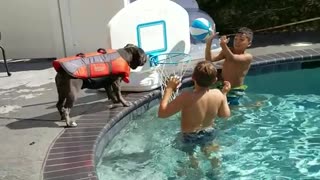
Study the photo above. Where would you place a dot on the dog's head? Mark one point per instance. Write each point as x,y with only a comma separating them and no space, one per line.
139,57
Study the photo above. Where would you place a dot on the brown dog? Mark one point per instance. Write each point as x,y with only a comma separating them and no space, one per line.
69,86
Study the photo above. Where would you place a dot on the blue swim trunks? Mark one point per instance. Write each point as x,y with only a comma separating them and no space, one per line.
201,138
234,94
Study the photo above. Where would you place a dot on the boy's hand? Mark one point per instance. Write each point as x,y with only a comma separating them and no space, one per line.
226,88
224,40
173,83
211,36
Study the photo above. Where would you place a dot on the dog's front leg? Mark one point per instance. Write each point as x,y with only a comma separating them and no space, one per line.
66,116
110,95
117,90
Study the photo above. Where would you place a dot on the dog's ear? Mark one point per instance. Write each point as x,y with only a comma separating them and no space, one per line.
130,45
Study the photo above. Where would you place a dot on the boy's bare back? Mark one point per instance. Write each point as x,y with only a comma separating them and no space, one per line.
201,108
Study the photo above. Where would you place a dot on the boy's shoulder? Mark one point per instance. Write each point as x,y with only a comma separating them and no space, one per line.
186,93
246,56
216,91
215,95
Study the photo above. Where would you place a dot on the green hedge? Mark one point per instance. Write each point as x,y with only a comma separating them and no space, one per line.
229,15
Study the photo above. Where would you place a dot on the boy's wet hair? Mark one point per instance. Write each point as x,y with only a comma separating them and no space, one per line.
247,31
204,73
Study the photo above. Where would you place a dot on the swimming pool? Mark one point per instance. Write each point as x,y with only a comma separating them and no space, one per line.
280,139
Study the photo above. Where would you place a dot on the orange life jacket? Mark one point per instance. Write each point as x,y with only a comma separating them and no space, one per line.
94,65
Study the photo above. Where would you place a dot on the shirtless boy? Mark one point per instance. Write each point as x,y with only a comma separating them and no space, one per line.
236,61
198,108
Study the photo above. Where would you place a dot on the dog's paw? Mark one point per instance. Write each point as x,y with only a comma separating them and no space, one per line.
126,104
72,124
110,106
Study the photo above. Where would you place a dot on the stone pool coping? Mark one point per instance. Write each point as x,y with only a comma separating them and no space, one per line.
75,153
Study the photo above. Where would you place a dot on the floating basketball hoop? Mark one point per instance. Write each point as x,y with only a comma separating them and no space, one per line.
168,65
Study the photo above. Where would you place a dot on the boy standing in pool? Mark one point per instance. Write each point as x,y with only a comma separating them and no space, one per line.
198,107
236,61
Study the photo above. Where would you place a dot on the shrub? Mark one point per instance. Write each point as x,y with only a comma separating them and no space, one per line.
260,14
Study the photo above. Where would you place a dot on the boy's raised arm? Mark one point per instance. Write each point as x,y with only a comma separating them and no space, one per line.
208,55
224,46
167,109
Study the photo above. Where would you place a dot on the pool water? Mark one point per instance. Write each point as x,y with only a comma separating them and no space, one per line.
275,134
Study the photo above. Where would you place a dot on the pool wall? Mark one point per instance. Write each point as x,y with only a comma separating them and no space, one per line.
76,152
286,61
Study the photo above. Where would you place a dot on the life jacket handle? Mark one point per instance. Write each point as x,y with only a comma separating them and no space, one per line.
102,51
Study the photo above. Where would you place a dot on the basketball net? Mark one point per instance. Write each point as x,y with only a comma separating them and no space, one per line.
168,65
